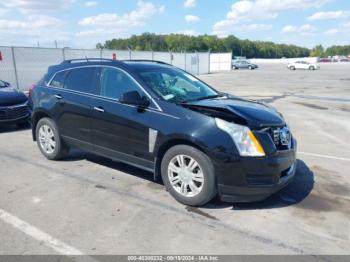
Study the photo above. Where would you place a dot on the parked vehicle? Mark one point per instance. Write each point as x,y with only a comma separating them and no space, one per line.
325,60
303,65
243,64
343,59
14,108
159,118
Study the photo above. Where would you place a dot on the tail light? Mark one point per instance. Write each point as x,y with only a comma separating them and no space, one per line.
30,93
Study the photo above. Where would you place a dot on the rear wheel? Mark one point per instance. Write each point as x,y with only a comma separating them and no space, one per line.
49,140
292,68
188,174
312,68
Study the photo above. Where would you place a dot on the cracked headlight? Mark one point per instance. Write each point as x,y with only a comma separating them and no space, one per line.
244,139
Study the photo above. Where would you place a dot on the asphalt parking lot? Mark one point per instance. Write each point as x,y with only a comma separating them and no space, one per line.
90,205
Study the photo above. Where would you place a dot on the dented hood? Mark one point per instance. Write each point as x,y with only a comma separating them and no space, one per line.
241,111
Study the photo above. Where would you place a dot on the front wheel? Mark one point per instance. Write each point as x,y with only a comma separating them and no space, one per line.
49,140
188,174
312,68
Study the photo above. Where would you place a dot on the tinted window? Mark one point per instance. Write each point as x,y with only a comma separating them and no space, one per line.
80,79
114,83
58,80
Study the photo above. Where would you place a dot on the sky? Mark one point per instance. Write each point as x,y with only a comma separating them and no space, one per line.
83,23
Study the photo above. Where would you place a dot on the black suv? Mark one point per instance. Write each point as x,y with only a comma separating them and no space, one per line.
159,118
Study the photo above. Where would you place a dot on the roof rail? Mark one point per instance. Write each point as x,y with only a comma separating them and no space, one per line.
87,60
145,60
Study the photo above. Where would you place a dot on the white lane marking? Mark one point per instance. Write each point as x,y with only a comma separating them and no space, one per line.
37,234
324,156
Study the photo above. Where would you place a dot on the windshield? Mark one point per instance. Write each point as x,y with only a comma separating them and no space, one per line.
177,86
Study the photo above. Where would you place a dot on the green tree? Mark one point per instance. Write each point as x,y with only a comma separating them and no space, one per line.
317,51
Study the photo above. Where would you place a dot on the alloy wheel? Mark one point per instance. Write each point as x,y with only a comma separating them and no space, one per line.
47,139
185,175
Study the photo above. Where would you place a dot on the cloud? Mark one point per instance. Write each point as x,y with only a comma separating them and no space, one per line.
245,11
234,27
187,32
91,3
190,3
12,24
109,25
191,18
343,28
303,29
329,15
37,5
161,9
33,29
255,27
135,18
33,22
3,11
332,31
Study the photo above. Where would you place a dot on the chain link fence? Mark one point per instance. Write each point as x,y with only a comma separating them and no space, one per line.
23,66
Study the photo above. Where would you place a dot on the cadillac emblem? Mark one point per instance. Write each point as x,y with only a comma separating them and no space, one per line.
285,136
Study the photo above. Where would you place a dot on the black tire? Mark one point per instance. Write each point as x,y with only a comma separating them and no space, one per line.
312,68
250,67
292,68
208,191
61,150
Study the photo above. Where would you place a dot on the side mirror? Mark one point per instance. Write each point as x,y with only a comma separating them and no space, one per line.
134,98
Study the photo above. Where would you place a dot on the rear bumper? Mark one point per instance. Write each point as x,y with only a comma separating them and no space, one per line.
255,179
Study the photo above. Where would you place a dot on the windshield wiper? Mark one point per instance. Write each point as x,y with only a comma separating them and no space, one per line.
204,98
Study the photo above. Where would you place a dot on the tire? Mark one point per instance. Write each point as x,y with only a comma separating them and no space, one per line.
312,68
292,68
60,149
206,190
250,68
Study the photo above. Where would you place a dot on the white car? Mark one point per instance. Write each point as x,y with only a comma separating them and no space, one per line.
303,65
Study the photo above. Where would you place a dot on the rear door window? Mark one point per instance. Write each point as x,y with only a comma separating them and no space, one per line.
81,79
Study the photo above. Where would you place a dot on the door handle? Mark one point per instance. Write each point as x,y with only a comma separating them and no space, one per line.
99,109
59,97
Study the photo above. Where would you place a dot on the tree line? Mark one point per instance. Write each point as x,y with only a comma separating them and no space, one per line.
320,51
203,43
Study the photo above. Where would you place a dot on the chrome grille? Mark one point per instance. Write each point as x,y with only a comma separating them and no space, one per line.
13,112
275,133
